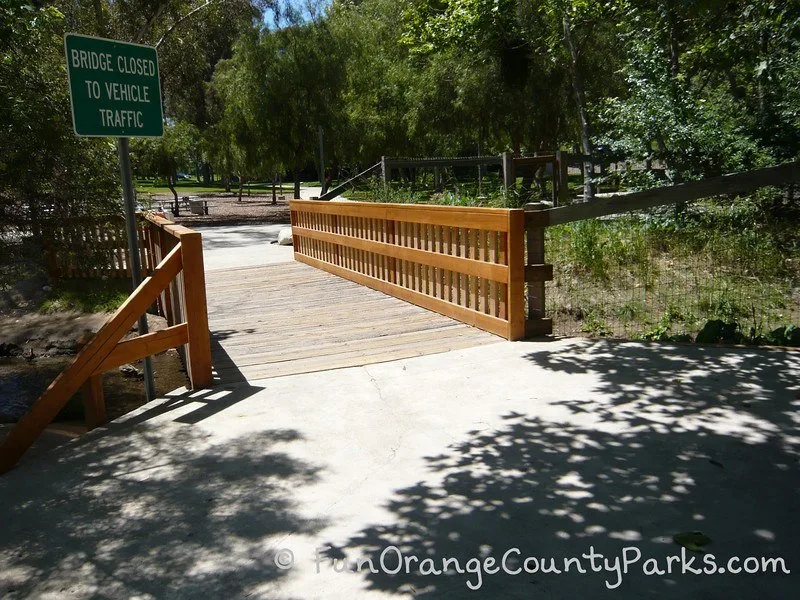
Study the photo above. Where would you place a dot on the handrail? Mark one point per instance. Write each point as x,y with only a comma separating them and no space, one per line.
333,192
734,183
182,262
537,219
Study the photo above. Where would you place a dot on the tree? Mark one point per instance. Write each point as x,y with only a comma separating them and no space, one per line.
177,150
46,172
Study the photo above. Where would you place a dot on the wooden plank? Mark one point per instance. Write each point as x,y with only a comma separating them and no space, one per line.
459,161
333,192
516,280
366,345
482,321
474,298
538,328
535,273
198,348
735,183
46,407
144,345
477,218
94,406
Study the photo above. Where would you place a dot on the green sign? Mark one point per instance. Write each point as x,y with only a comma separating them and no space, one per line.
114,87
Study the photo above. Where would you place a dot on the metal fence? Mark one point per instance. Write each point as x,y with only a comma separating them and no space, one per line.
665,274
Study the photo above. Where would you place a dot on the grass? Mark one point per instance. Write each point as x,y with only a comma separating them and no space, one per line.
87,296
192,187
663,275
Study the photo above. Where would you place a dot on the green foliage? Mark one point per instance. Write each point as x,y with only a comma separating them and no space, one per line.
177,150
86,296
660,275
46,172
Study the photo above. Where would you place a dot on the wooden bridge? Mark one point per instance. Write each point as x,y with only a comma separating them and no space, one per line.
291,318
474,267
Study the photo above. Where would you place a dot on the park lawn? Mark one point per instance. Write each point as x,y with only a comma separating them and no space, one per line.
193,187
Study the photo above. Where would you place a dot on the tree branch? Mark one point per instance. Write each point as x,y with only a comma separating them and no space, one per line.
182,19
146,27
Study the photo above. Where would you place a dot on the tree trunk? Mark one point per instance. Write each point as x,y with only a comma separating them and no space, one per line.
274,194
296,175
672,33
241,186
580,101
228,182
171,185
206,174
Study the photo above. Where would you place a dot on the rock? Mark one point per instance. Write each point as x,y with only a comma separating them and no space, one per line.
131,371
47,288
285,237
28,354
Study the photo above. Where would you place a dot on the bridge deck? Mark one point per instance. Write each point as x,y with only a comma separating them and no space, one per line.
289,318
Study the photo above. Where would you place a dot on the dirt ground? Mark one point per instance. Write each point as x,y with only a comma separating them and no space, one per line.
225,209
35,348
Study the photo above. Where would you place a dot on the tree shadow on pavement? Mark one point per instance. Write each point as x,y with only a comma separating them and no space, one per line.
152,513
673,439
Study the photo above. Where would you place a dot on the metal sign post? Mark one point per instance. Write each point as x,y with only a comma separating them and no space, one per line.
129,196
115,92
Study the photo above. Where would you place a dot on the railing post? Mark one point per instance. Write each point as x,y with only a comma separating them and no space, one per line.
390,239
537,272
516,274
509,178
94,405
198,350
562,166
386,172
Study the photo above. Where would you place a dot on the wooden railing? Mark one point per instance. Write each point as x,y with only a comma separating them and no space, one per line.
88,248
465,263
175,281
538,218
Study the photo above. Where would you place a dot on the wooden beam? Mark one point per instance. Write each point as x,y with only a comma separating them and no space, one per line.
534,161
490,219
516,275
535,273
198,350
476,268
538,328
333,192
736,183
145,345
509,178
468,161
94,406
47,406
537,218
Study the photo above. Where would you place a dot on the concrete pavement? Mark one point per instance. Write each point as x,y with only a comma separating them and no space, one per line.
243,246
549,448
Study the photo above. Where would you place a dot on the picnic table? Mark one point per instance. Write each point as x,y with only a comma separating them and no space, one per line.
198,206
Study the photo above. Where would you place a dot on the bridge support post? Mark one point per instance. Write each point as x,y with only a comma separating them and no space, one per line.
198,350
94,405
516,275
536,272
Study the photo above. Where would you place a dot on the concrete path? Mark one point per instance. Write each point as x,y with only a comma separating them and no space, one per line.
553,449
243,246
